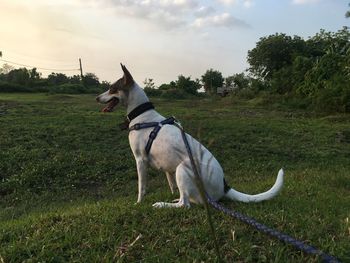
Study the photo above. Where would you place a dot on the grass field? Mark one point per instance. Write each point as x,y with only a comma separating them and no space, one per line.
68,183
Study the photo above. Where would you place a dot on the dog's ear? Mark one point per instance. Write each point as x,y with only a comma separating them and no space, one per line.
127,78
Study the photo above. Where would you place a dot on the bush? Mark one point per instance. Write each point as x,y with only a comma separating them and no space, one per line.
174,94
153,92
11,87
335,97
67,88
297,102
64,88
246,93
76,89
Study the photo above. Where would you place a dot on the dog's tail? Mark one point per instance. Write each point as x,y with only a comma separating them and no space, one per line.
274,190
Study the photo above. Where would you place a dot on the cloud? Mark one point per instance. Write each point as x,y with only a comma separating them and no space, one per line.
245,3
228,2
222,20
173,14
204,11
164,13
248,3
303,2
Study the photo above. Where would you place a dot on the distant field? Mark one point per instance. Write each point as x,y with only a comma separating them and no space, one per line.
68,183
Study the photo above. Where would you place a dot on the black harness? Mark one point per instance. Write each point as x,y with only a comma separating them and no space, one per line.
139,126
157,126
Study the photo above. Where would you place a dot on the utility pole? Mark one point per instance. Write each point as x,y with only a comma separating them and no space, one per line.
81,69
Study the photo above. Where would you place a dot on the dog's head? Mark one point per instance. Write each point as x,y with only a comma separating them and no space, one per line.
117,92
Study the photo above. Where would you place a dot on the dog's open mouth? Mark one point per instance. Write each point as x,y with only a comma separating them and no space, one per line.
111,105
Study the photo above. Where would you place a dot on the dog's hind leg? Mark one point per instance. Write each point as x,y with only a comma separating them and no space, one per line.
171,181
185,185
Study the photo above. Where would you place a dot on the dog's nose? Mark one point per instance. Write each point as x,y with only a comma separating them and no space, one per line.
98,98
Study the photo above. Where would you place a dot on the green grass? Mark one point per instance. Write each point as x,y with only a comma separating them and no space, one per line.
68,183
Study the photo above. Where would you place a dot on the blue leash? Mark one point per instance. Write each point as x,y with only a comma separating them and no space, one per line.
274,233
243,218
252,222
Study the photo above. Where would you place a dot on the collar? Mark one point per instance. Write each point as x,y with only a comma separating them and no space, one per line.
134,113
139,110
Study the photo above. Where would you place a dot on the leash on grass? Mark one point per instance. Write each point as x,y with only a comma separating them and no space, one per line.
274,233
248,220
308,249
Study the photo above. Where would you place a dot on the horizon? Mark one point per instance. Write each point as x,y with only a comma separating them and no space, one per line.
157,39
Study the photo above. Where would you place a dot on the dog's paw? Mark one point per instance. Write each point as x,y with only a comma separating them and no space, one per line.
159,205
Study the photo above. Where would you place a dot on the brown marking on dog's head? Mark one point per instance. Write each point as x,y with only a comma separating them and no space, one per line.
123,83
117,92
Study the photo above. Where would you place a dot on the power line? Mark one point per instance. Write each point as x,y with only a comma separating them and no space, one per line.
30,66
21,56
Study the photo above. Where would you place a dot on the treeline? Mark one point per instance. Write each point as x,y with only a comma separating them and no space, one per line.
185,87
30,80
309,74
312,73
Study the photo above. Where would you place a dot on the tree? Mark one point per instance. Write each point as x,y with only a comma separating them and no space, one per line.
75,79
323,72
57,79
6,68
149,84
187,85
329,42
212,79
34,74
239,80
273,53
347,14
104,84
90,79
18,76
164,86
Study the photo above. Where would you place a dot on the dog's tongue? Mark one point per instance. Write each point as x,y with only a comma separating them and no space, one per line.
110,106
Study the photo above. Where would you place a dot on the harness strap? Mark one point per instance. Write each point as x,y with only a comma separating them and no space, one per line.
153,135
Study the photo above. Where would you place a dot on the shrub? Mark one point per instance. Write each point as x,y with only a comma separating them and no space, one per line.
246,93
76,89
153,92
12,87
174,94
335,97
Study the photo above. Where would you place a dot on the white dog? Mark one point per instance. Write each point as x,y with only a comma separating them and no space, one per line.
167,151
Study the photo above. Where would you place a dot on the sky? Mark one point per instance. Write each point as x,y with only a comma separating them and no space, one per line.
158,39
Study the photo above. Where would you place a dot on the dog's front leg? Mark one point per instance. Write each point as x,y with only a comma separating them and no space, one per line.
142,178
